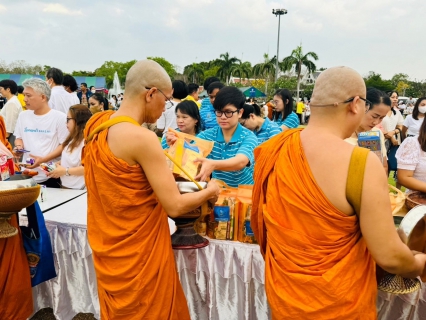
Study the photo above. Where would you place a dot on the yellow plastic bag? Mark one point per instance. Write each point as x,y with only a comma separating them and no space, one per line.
185,151
397,198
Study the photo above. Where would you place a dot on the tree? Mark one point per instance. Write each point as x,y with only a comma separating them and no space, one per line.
375,80
108,69
401,87
298,60
82,73
225,64
194,72
265,69
399,77
242,69
170,69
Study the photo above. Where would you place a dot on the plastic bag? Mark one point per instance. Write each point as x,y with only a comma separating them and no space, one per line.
185,151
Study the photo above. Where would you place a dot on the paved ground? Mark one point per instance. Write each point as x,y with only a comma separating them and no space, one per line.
47,314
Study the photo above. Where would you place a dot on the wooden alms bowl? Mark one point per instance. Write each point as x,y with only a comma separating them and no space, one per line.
15,194
415,199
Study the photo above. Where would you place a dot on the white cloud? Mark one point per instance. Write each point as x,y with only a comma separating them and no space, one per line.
2,8
61,9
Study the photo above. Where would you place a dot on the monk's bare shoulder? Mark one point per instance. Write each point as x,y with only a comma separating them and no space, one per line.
126,140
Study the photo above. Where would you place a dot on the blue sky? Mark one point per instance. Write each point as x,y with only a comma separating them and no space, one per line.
385,36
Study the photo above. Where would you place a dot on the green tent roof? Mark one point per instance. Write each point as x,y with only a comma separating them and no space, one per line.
252,92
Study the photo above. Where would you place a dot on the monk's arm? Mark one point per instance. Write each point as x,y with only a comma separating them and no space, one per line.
153,162
406,179
378,228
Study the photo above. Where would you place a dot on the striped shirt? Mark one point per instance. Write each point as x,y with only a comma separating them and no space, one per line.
242,142
208,117
291,122
267,131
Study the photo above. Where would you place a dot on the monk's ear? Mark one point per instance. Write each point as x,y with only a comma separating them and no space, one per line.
148,95
354,105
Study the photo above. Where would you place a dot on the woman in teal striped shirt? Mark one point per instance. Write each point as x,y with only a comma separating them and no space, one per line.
284,116
264,129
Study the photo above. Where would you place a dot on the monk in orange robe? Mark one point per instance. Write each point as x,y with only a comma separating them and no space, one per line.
16,298
319,251
130,192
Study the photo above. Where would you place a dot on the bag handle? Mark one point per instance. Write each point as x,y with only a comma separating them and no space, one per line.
355,179
110,123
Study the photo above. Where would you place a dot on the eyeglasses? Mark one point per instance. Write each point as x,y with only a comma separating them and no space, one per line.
367,103
68,119
227,114
168,99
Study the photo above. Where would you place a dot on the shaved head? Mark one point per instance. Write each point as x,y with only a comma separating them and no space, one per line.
146,73
337,84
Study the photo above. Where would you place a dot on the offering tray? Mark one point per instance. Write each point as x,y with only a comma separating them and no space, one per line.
15,194
186,237
413,229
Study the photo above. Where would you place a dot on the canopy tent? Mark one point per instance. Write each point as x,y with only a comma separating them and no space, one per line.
98,82
252,92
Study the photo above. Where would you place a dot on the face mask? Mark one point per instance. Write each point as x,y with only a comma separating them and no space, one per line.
422,109
93,91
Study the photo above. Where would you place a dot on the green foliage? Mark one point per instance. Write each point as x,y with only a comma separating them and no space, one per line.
398,78
298,60
375,80
194,73
108,69
226,64
170,69
211,72
82,73
286,82
236,84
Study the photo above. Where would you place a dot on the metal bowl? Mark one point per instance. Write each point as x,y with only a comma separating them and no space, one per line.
17,181
189,187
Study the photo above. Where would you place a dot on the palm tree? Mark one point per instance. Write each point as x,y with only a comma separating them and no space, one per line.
265,69
225,64
194,71
242,69
297,60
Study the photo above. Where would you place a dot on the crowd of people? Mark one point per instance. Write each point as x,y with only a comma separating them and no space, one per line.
320,231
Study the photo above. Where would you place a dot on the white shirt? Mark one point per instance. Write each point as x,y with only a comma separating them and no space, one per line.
72,160
76,100
41,135
390,123
168,118
10,113
61,100
410,156
413,125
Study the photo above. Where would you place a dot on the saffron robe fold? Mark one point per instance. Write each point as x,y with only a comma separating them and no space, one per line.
16,297
129,235
317,265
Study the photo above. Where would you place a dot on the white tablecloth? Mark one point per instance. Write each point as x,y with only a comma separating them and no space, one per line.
222,281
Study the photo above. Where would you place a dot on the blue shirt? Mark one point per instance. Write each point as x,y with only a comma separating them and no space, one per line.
242,142
208,117
267,131
291,122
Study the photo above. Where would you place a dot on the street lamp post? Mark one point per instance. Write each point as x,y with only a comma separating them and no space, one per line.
279,13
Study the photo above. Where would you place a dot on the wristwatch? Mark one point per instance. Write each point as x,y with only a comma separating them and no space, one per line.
67,172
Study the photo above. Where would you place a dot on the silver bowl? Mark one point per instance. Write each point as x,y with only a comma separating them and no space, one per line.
18,181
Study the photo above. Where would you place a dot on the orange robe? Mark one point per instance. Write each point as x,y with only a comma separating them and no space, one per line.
129,235
317,265
16,298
